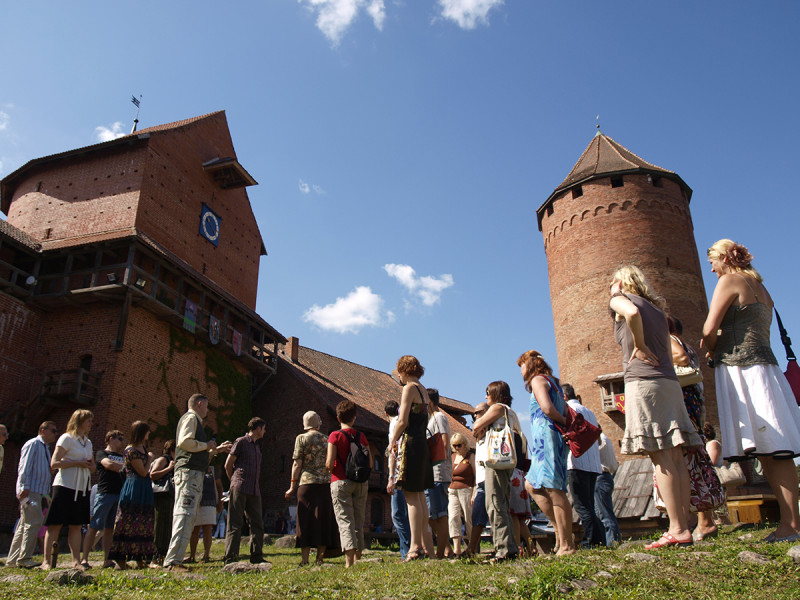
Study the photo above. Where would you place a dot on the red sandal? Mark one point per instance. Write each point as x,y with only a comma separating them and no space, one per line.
667,539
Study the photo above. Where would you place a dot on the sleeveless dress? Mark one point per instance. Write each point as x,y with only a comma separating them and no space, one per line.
548,450
758,413
133,527
414,468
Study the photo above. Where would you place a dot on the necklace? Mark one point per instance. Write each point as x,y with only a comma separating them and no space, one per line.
83,442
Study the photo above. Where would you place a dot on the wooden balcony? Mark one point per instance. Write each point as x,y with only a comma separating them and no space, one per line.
74,386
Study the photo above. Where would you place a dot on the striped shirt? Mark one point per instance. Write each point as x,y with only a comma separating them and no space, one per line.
34,467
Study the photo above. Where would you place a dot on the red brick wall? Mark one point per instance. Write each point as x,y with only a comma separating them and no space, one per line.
282,403
174,189
78,196
586,239
20,377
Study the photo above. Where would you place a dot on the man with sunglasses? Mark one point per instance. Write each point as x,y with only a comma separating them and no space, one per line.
109,485
33,488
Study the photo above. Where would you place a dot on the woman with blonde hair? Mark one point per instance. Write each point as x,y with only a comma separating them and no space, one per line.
74,459
758,414
409,445
459,494
548,472
656,421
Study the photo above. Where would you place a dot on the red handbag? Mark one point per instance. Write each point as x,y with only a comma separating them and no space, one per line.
792,369
578,433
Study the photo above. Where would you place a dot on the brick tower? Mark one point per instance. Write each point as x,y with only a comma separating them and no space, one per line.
615,208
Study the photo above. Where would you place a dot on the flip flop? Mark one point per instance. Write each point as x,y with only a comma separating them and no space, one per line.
667,539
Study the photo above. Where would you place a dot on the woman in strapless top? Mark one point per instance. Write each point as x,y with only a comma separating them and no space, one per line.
758,414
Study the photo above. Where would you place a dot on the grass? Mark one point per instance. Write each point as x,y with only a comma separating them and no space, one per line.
710,570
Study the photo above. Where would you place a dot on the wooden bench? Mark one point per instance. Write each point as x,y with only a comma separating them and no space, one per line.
753,508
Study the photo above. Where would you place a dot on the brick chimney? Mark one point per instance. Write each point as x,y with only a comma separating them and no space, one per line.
292,347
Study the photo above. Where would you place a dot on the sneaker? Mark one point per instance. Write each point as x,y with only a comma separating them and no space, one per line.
28,563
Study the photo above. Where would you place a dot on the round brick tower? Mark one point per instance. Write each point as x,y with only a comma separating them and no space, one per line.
615,208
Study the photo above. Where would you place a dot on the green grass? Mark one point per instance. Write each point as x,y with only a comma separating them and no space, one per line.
708,571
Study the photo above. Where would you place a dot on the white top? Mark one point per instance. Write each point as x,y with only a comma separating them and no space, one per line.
480,458
590,460
77,449
607,457
442,472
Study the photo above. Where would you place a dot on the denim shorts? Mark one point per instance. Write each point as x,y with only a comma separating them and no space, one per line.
104,511
480,517
436,497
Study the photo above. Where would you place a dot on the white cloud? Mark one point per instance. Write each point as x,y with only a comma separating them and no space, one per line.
306,188
428,289
105,134
334,17
5,119
468,14
360,308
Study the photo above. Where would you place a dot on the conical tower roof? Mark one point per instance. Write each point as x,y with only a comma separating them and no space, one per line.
605,157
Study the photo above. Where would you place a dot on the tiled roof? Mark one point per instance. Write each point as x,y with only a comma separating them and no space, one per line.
603,157
90,238
333,379
8,230
176,124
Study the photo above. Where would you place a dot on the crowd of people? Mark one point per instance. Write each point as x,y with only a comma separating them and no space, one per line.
446,489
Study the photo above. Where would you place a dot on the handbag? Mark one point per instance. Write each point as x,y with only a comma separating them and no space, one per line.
707,491
578,433
688,375
731,474
436,447
500,447
163,485
792,369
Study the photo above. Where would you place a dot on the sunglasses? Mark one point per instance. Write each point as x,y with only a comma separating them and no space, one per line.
457,445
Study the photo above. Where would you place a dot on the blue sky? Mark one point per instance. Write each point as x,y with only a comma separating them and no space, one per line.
402,147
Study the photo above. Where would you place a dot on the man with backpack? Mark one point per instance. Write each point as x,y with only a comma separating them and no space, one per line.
350,462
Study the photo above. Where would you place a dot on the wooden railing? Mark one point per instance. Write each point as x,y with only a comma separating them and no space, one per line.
78,386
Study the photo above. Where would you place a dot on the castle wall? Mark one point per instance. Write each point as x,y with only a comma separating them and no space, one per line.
586,239
173,191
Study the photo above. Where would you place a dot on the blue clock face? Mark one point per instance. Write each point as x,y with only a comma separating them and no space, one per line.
209,225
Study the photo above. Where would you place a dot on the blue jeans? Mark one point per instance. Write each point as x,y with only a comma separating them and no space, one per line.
604,504
582,488
400,520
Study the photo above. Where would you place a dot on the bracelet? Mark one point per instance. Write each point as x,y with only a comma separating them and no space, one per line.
294,480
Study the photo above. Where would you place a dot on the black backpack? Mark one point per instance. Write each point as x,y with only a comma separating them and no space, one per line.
357,467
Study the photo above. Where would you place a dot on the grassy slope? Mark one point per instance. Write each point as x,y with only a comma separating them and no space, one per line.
710,570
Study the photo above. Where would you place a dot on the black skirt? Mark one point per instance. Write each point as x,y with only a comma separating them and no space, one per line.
316,523
68,509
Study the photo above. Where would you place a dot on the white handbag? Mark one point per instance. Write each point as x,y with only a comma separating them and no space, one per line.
501,453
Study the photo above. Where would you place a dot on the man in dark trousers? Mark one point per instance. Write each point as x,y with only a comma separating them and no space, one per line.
243,467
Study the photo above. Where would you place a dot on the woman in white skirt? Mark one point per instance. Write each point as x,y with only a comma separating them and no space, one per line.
758,414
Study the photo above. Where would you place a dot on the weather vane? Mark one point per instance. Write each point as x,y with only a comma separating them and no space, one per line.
136,102
597,118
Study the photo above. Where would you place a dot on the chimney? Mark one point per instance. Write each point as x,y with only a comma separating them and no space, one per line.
292,347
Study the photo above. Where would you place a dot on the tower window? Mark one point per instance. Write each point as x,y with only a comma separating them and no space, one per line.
617,182
577,191
657,181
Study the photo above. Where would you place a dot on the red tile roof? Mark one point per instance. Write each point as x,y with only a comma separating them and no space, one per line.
603,157
333,379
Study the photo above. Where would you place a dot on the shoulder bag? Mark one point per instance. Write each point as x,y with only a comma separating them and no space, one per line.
578,433
500,447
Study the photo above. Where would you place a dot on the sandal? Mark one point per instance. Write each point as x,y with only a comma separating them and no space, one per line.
415,556
667,539
85,564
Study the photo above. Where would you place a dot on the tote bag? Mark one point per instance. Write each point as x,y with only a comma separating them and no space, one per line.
500,447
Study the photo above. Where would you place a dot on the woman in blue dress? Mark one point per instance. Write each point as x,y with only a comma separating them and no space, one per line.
133,527
548,473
